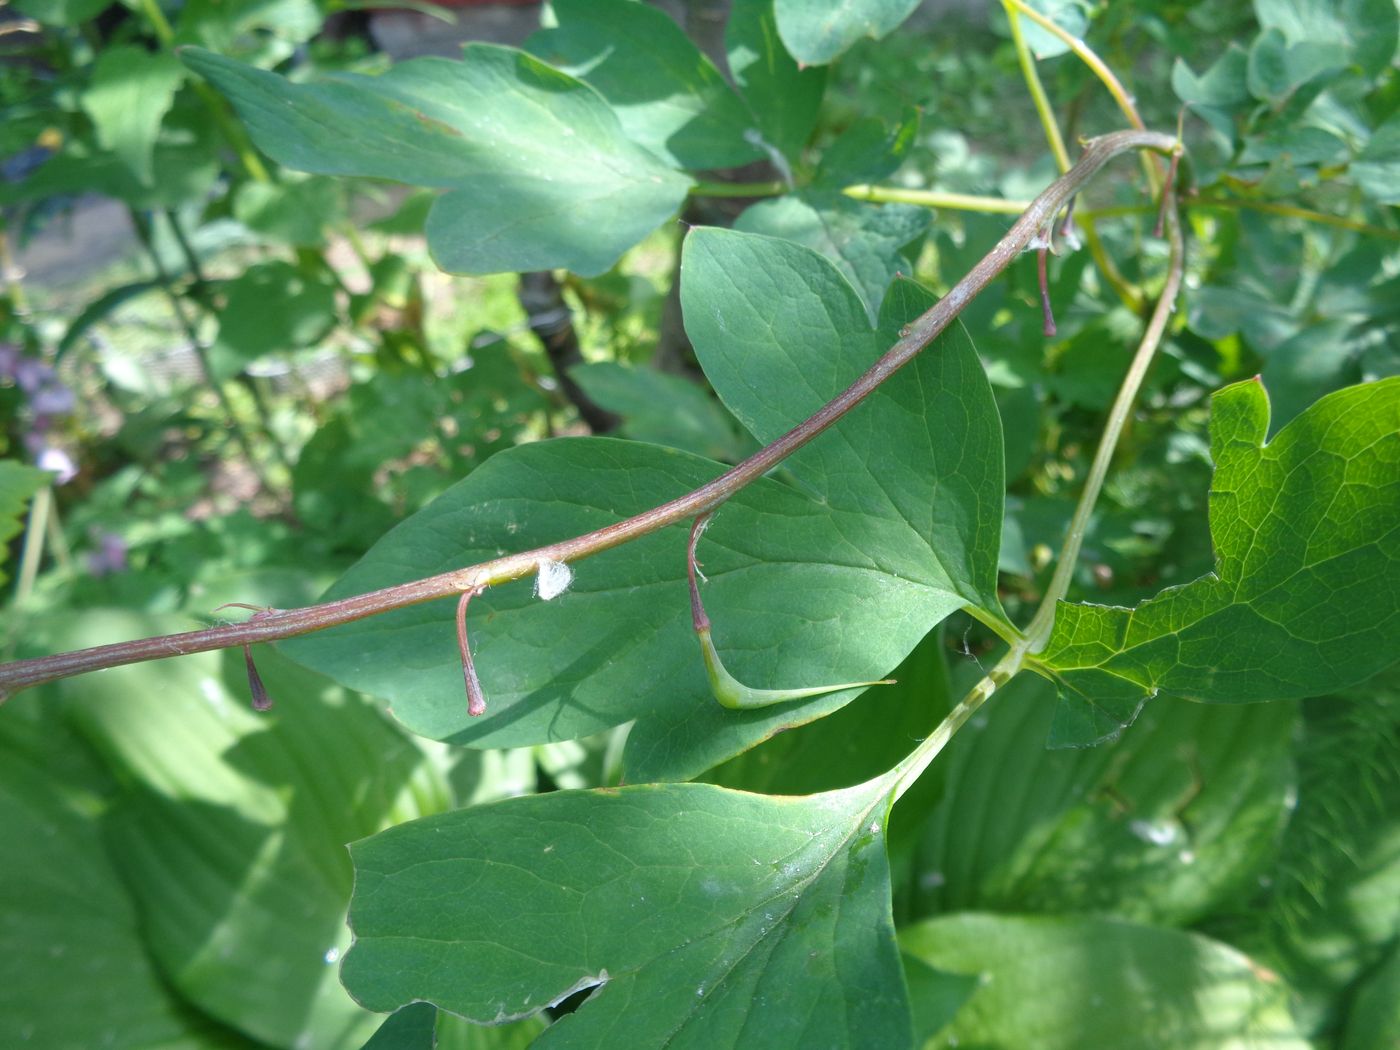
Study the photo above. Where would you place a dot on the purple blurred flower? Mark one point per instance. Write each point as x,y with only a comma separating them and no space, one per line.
110,554
31,374
53,399
9,360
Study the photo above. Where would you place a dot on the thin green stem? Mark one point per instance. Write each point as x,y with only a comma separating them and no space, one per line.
1038,632
35,532
187,325
909,771
936,199
914,337
1037,90
769,188
1125,290
1023,648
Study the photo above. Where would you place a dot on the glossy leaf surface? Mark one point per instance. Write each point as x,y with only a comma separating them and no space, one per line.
1077,982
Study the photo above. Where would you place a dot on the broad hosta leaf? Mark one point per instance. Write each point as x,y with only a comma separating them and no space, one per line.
784,98
817,31
130,92
669,97
923,453
902,530
1180,814
539,171
74,973
231,832
1330,909
1074,983
700,917
1306,594
865,241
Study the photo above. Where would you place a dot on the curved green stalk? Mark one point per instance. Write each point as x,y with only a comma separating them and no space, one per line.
728,690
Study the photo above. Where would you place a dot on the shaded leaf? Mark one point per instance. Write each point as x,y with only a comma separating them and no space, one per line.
1374,1021
698,916
669,97
1377,168
291,212
1178,815
817,31
867,151
1304,597
539,171
783,98
1079,982
661,408
865,241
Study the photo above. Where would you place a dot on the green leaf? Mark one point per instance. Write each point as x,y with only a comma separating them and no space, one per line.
698,916
291,212
539,171
1176,817
923,452
1364,31
1078,982
412,1028
1070,15
18,483
865,241
669,97
129,95
784,98
1374,1022
74,972
1278,68
893,524
270,308
868,151
232,827
1377,168
1330,909
817,31
62,12
99,309
661,408
1304,597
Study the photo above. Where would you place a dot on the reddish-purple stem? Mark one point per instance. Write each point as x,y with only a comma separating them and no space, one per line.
261,701
476,699
698,616
1166,193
